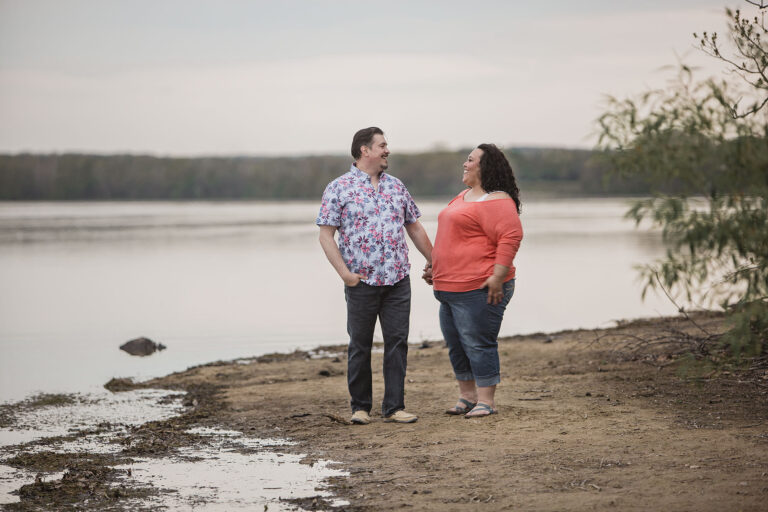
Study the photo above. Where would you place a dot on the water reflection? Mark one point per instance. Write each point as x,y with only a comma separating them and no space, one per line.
220,477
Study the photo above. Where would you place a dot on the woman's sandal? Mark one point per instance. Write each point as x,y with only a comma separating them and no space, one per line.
480,407
458,410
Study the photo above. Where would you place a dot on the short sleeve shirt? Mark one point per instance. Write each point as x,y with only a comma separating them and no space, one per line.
371,235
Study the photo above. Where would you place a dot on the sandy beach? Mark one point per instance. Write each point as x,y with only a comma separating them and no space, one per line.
586,422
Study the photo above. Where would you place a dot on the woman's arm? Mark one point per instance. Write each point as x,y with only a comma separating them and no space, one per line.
502,226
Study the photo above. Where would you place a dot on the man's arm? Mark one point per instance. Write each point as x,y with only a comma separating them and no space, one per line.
420,239
331,250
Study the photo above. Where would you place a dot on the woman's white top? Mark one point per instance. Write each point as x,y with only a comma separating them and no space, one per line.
485,196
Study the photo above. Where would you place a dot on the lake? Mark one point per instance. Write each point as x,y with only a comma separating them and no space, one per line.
222,280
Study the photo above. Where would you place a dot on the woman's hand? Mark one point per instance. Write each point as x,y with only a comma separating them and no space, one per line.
495,287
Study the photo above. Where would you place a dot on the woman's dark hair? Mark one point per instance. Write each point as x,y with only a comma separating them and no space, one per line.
364,137
496,173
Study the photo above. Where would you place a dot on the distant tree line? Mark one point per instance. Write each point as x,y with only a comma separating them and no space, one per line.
132,177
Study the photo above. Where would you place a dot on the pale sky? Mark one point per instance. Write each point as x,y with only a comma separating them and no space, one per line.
226,77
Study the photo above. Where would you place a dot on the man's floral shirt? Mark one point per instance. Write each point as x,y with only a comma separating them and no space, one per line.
371,235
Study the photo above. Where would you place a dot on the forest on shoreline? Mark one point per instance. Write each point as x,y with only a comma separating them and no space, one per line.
70,176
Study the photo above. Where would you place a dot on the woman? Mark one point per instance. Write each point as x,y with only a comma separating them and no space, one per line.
473,275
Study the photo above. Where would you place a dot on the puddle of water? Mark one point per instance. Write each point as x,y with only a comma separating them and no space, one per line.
120,410
324,354
125,408
222,478
246,442
229,472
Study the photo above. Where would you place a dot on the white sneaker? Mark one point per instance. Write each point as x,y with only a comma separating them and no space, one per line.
360,417
401,417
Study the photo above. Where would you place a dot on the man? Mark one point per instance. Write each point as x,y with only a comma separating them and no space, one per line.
369,209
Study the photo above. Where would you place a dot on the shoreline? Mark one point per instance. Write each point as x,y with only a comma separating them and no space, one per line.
585,421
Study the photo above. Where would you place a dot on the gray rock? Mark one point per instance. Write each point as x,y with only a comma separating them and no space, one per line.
141,347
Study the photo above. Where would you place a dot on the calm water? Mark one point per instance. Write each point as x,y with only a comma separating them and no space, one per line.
226,280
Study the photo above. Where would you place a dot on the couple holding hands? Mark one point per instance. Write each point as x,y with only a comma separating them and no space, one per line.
470,268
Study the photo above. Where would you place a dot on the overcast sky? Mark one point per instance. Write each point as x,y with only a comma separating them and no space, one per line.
195,77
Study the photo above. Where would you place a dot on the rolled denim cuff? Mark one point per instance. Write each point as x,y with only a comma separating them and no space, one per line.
484,382
464,376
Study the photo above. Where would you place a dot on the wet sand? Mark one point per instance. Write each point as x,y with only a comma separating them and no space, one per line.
585,422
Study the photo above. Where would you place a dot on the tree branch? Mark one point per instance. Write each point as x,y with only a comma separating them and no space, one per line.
680,309
761,5
756,108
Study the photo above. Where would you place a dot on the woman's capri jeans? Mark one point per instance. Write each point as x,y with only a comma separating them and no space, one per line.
471,327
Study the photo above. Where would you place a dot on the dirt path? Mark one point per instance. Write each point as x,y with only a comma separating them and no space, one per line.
582,426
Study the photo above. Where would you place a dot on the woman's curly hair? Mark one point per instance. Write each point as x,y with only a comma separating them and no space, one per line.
496,173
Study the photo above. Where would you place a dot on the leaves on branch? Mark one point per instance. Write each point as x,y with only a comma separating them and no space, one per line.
706,156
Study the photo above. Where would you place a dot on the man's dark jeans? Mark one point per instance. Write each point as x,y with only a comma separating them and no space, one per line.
392,306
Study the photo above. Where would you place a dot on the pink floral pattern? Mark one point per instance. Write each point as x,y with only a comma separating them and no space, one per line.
371,236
